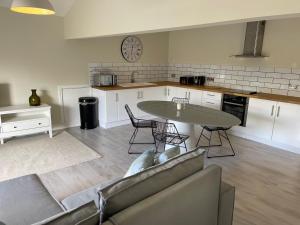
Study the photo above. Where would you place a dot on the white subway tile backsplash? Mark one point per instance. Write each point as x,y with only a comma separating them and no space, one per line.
252,68
283,70
252,78
267,69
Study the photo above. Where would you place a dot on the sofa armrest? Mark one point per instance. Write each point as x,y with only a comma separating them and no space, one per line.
226,204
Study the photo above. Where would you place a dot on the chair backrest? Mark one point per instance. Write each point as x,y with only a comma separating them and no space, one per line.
161,130
181,100
131,116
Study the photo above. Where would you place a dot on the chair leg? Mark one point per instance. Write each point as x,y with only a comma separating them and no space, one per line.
185,147
199,137
133,136
233,152
220,138
229,143
209,141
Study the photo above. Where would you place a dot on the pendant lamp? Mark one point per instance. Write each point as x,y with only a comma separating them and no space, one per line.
35,7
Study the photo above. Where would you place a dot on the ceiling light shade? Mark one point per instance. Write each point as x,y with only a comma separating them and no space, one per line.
36,7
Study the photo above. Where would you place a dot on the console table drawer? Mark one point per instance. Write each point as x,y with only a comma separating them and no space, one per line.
25,125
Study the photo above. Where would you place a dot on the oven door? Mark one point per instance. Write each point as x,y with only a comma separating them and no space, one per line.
237,110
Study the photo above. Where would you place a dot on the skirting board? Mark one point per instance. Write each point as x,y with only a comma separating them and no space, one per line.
266,142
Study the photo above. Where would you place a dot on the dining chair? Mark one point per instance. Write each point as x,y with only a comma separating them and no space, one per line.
167,133
218,130
138,124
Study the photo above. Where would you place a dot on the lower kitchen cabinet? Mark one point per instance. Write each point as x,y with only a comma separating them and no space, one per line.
287,124
195,96
260,118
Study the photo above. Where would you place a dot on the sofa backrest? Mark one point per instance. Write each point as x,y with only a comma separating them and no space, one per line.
192,201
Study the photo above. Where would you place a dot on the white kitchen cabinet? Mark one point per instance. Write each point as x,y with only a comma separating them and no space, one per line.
211,99
176,92
260,118
287,124
151,94
130,97
195,96
111,106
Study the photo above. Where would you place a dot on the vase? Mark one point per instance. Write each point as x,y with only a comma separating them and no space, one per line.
34,99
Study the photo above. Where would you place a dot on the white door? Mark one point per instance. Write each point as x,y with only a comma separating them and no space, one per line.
195,96
260,119
151,94
287,124
70,106
129,97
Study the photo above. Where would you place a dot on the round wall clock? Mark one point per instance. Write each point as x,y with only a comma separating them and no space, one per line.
132,48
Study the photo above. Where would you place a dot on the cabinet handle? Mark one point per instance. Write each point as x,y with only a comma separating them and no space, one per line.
272,112
210,94
142,94
186,94
15,127
117,97
189,95
278,111
168,92
210,103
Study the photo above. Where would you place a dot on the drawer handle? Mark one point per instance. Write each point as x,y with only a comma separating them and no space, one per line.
40,123
15,127
210,94
210,103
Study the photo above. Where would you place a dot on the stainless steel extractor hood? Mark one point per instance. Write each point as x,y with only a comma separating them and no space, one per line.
254,40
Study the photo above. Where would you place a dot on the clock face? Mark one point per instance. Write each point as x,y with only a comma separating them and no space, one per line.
132,48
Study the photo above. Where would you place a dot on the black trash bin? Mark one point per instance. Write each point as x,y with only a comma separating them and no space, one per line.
88,107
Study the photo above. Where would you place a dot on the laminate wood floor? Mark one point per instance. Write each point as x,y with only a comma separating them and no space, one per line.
267,179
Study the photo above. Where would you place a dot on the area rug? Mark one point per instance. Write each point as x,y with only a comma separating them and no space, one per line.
41,154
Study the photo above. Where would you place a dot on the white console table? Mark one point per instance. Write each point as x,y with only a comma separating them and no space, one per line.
24,120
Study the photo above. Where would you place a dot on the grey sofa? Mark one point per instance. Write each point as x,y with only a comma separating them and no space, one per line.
198,199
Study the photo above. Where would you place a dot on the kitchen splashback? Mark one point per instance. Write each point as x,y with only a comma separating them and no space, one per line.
283,81
143,72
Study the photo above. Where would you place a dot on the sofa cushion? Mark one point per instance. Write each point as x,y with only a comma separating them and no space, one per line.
92,220
226,206
168,154
83,197
71,217
25,200
133,189
144,161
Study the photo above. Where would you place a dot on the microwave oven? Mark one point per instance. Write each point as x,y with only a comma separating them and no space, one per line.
106,80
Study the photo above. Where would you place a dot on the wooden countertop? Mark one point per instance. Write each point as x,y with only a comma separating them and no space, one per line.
266,96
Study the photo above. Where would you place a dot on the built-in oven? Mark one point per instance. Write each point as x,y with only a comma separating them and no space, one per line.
237,106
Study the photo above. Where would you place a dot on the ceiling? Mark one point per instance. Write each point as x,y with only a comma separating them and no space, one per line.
61,7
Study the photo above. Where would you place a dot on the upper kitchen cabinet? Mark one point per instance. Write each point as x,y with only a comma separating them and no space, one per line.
287,124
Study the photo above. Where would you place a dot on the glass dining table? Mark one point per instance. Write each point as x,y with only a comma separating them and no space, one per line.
189,118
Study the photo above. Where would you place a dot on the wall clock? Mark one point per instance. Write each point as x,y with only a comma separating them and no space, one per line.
132,48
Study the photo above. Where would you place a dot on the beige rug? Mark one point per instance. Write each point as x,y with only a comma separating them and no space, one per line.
40,154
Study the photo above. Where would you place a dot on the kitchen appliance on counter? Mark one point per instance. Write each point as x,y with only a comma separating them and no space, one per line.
105,80
187,80
192,80
199,80
237,106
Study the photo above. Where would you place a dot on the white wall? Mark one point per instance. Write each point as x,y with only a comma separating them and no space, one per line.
95,18
34,54
215,45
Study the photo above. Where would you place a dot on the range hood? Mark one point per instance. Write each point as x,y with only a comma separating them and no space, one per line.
254,40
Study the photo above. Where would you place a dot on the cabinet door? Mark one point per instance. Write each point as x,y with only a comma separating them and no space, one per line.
287,124
151,94
176,92
195,96
129,97
260,119
111,106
